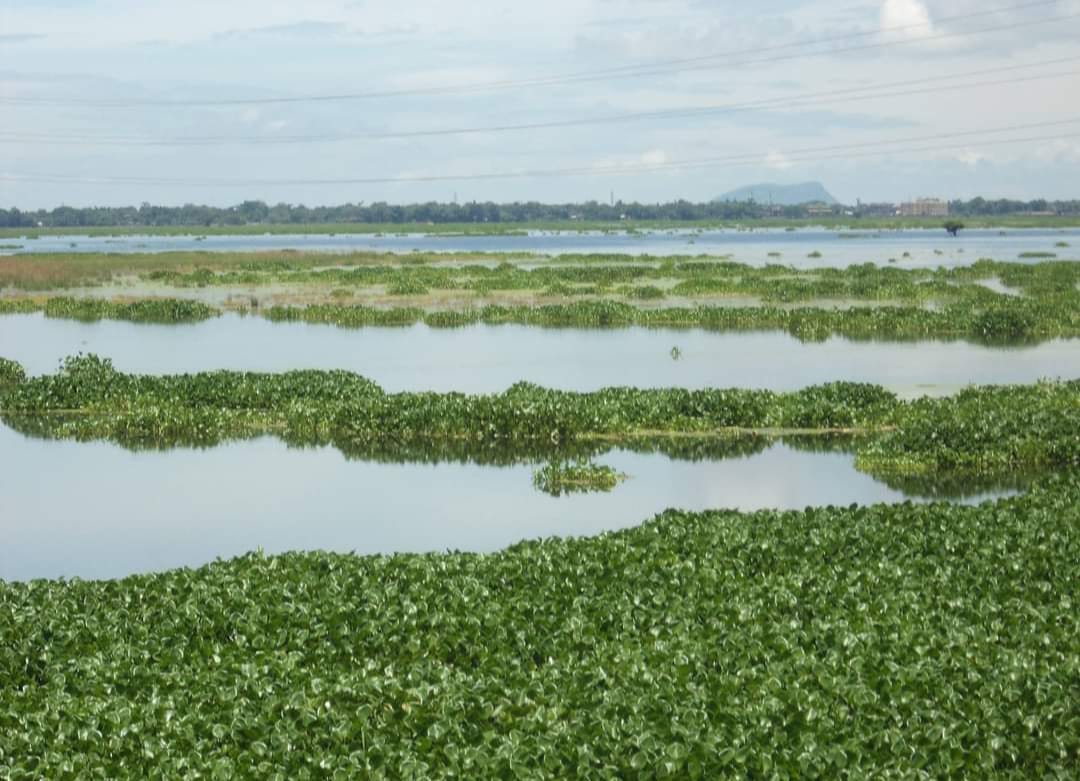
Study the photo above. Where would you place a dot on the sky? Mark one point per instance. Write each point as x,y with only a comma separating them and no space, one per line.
112,102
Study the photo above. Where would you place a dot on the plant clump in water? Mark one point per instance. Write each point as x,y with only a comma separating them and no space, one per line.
562,478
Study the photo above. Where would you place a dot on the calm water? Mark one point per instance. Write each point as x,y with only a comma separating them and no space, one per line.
837,248
491,358
94,510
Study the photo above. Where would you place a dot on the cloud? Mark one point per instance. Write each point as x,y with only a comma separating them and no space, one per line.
655,157
302,30
19,38
907,13
778,161
971,158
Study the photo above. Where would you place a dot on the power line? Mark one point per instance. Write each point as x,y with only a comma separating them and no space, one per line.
808,154
705,62
817,98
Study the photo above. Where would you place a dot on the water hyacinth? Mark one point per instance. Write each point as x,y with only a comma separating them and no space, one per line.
991,429
890,641
558,478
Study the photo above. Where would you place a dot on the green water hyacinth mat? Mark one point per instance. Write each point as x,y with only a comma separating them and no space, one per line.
906,641
1003,321
982,430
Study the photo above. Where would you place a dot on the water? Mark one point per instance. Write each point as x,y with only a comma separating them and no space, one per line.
95,510
481,359
838,248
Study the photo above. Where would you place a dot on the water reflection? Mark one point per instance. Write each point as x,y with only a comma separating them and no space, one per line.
96,510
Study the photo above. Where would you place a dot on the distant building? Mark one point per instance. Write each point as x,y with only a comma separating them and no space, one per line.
925,207
819,210
876,209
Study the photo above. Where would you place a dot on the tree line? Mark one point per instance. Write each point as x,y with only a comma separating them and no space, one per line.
258,212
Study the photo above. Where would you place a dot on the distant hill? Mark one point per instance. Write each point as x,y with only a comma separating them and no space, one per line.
781,194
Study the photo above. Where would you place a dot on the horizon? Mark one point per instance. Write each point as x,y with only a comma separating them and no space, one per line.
545,203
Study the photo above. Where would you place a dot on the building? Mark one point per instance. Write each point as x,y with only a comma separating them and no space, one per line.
820,209
925,207
876,209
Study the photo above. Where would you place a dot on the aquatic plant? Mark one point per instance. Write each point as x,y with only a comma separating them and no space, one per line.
146,311
565,477
646,292
407,286
1005,428
991,430
682,649
11,372
18,306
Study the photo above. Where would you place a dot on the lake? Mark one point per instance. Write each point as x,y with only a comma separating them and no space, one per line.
483,358
927,248
95,510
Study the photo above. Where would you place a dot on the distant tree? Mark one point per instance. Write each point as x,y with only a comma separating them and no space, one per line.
954,227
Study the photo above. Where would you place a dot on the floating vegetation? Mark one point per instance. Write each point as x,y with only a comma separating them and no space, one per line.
1061,244
646,293
169,310
997,318
1038,255
18,306
407,286
11,372
1009,428
562,478
1049,308
815,254
680,648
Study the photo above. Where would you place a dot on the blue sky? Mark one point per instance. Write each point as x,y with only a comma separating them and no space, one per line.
72,51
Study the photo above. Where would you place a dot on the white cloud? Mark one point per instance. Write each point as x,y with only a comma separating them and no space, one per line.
1062,150
655,157
907,13
972,157
778,161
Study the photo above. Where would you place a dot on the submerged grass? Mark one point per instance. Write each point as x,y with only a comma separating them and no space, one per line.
890,641
318,272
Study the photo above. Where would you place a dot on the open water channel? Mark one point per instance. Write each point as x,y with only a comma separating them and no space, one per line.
924,248
484,359
96,510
